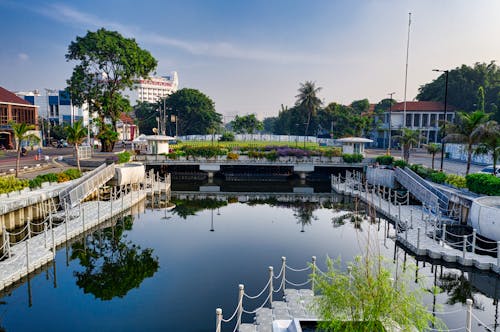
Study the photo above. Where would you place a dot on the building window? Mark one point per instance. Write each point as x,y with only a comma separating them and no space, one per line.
416,120
425,120
433,120
449,117
408,120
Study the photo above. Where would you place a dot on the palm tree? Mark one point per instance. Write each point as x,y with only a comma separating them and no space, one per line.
76,135
490,142
20,131
407,140
433,148
308,99
469,130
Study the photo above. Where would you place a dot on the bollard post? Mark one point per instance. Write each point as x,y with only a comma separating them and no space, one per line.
418,240
218,319
121,194
27,256
395,197
443,235
83,219
406,230
389,203
434,231
468,319
407,198
111,200
240,305
6,240
66,222
53,240
283,269
425,230
399,212
498,253
313,272
29,229
464,246
271,276
98,205
411,218
474,241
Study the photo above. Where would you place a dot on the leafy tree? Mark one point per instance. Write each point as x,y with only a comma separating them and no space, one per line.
20,131
344,120
360,106
308,99
432,149
463,85
469,130
146,114
246,124
269,124
76,134
112,265
490,142
195,112
107,64
408,139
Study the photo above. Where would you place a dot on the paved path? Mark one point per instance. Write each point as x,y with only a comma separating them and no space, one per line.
419,230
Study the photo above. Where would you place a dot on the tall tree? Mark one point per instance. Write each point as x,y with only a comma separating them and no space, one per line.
21,133
194,111
308,99
408,139
469,130
76,134
107,63
246,124
146,114
432,149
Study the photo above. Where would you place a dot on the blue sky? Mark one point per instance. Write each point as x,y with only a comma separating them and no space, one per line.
250,56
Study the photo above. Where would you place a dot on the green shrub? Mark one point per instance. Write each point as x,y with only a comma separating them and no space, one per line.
384,160
400,163
420,170
232,156
333,152
172,155
49,177
456,180
438,177
73,173
352,158
227,137
35,183
61,177
124,157
10,183
480,183
271,155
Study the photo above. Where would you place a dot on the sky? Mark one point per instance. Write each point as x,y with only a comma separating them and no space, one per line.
250,56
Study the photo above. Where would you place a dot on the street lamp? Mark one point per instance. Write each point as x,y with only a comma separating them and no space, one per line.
445,106
390,125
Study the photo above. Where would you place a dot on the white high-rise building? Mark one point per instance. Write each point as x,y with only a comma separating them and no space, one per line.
153,89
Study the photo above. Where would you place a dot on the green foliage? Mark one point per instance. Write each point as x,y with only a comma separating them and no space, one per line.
271,155
366,296
10,183
73,173
145,114
332,152
172,156
246,124
207,151
438,177
186,207
49,177
227,137
352,158
195,112
400,163
124,157
483,184
456,180
384,160
420,170
308,99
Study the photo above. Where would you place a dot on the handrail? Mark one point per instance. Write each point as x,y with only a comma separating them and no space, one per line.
443,198
416,187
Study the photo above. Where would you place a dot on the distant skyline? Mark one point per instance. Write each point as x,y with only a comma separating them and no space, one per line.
251,56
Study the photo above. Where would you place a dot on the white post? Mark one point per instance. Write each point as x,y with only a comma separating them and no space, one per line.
474,241
313,272
45,234
418,240
83,219
407,198
66,221
468,320
283,269
443,235
27,256
122,194
98,205
218,319
411,218
399,212
240,306
111,198
498,253
271,276
464,247
406,230
395,197
29,229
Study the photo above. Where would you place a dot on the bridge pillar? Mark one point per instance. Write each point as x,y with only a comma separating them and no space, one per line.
210,176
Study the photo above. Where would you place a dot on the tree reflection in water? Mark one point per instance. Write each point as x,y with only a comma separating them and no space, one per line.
459,288
112,265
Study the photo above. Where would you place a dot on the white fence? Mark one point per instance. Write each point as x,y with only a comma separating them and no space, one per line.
266,138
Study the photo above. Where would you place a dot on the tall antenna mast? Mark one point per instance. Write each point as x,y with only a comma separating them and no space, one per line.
406,70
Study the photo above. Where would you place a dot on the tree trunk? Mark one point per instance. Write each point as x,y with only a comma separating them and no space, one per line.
433,156
18,159
469,158
77,157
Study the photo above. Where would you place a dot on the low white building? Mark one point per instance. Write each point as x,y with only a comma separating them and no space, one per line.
152,89
152,144
353,145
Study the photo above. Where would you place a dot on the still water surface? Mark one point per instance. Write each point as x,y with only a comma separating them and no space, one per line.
169,270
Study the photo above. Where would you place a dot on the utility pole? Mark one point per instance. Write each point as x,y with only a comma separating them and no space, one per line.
389,134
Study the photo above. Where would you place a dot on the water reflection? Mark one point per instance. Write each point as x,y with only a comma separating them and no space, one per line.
112,265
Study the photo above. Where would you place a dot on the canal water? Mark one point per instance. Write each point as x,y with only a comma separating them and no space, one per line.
161,270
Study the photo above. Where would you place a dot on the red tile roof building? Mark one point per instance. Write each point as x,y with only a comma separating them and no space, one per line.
16,109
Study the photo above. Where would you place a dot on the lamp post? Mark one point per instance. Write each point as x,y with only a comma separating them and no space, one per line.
390,125
446,72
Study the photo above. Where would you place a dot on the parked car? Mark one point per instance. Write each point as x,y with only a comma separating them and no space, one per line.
489,170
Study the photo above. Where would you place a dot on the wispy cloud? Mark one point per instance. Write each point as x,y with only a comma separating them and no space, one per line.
70,15
23,57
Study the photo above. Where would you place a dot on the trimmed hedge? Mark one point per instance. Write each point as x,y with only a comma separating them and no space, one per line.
385,160
456,180
400,163
124,157
483,184
352,158
438,177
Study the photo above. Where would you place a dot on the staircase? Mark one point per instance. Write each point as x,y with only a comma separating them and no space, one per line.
422,190
88,183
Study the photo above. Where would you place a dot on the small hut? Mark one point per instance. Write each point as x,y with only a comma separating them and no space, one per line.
354,144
